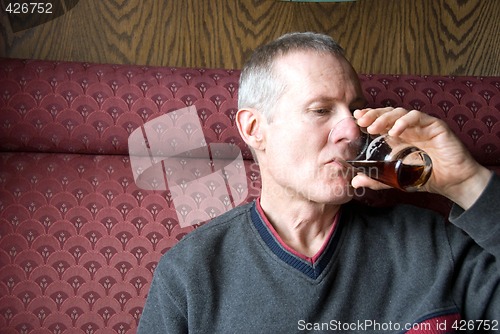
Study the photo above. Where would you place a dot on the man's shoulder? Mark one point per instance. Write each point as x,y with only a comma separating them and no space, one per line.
403,217
402,231
207,236
225,221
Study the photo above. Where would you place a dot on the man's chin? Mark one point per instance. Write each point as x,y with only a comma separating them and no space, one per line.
336,194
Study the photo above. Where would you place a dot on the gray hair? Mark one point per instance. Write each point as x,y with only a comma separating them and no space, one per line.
260,86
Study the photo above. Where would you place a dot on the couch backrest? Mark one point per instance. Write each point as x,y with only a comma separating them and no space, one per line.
69,107
80,239
92,109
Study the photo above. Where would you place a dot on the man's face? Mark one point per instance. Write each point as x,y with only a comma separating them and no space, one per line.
300,159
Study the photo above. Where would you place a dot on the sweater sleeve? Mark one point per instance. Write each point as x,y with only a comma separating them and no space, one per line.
482,221
162,313
476,257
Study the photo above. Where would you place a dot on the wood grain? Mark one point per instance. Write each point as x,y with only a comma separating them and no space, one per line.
442,37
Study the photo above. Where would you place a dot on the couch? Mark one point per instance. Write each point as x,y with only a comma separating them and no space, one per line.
102,170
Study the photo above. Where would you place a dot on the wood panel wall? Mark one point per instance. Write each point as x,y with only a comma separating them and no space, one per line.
459,37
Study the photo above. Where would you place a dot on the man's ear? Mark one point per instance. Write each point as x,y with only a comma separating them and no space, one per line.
251,124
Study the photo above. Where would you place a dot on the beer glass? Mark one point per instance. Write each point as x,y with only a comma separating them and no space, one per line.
382,157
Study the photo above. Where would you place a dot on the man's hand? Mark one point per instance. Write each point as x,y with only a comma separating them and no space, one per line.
455,173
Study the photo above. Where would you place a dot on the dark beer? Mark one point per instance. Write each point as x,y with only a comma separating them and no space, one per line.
393,173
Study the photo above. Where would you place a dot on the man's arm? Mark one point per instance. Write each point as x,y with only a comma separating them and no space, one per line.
481,220
475,256
162,313
475,191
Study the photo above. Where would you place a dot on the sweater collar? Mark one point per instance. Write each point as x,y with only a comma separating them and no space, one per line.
311,266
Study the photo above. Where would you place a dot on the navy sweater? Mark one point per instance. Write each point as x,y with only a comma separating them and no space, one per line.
386,270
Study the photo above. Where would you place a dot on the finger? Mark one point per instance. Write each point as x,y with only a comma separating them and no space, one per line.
358,113
413,118
367,116
386,121
381,120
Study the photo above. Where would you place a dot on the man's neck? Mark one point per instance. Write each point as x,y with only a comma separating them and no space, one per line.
303,225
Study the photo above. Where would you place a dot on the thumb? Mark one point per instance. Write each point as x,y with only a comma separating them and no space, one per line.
361,180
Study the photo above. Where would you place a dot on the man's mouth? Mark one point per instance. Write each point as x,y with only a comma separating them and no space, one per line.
339,167
342,163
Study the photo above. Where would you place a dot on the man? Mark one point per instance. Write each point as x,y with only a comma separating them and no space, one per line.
305,258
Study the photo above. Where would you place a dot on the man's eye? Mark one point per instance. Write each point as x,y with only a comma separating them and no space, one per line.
322,111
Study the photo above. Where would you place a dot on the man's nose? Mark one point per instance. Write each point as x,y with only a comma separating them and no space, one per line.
345,130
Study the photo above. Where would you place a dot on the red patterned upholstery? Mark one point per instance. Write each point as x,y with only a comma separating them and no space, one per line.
79,239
